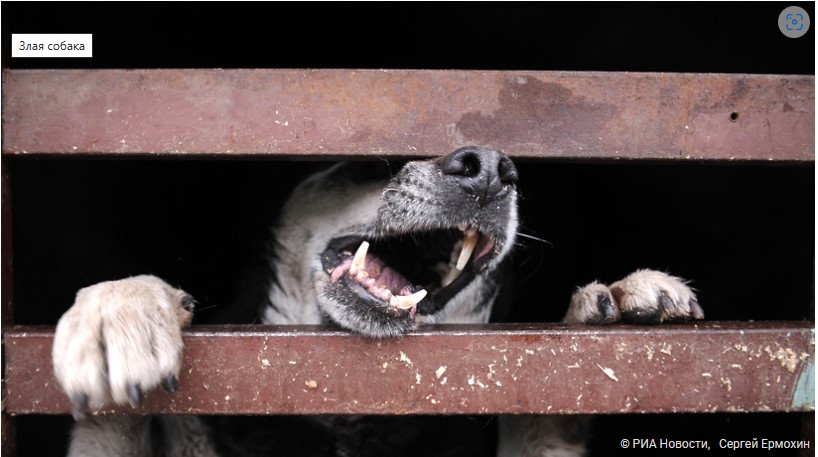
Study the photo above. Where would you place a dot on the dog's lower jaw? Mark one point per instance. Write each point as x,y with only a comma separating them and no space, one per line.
286,308
321,305
472,305
352,313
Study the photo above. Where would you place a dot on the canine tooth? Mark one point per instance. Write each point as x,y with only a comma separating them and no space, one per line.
450,275
359,261
468,247
407,301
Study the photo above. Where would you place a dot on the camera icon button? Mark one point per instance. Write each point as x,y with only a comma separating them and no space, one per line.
793,22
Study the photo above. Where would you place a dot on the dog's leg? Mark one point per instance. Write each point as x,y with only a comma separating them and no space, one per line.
542,436
643,297
120,339
140,436
646,297
111,436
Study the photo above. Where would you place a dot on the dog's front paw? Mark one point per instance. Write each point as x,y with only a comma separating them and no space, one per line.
645,297
120,339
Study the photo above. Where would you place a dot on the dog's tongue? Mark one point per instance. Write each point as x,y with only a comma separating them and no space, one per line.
379,279
388,284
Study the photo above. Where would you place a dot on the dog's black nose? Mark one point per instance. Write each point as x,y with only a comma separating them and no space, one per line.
485,173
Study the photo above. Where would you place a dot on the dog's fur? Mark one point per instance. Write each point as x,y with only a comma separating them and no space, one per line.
433,205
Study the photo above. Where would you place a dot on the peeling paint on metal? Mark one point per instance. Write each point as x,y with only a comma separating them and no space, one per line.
334,113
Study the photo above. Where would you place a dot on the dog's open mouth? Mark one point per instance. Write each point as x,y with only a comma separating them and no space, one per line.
410,273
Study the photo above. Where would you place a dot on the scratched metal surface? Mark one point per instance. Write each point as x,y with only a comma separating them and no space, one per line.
707,367
331,113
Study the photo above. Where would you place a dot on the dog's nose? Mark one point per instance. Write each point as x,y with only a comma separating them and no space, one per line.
485,173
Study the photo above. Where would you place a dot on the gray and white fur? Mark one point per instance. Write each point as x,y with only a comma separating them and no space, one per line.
458,211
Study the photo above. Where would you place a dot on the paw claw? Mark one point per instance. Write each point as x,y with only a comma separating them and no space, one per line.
79,404
188,303
135,395
666,304
592,304
653,297
696,310
644,297
607,309
170,383
119,340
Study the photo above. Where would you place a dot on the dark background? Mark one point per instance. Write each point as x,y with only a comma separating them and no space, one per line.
663,36
744,233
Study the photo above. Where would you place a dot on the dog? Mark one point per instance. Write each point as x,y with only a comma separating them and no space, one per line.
358,246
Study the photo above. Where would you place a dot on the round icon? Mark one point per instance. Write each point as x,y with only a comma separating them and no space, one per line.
793,22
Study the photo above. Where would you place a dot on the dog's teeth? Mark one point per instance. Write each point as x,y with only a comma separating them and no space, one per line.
468,247
407,301
450,275
359,261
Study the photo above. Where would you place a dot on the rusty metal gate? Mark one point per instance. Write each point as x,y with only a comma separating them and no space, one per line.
493,369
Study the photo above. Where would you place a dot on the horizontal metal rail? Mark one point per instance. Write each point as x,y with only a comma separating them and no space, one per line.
334,113
707,367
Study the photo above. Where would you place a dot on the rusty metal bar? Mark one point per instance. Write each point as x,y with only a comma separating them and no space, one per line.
332,113
462,369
